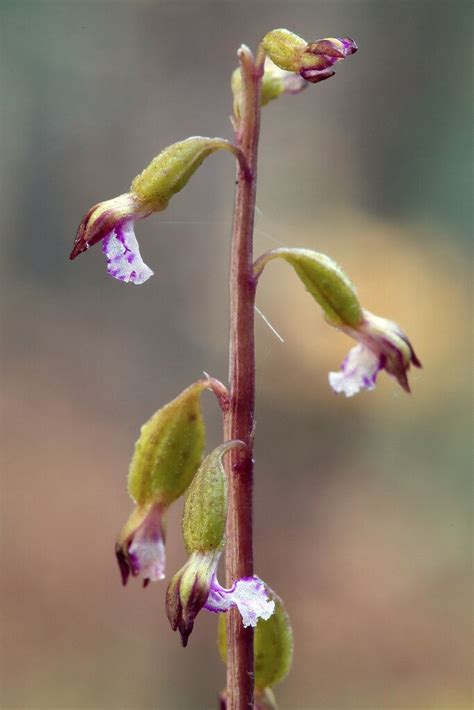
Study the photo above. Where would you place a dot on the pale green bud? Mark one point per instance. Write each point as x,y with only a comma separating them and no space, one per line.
285,49
315,61
275,82
325,281
169,450
169,172
273,646
205,510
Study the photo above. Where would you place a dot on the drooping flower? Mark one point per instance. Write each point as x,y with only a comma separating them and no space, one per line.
167,455
382,343
195,586
113,221
140,548
382,346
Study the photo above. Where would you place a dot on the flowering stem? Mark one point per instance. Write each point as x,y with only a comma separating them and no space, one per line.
239,420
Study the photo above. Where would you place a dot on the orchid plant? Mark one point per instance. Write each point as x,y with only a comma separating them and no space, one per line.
256,640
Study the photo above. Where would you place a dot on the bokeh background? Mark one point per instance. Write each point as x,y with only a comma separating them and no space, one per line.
363,510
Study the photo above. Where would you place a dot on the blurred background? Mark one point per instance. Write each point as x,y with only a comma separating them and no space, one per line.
362,506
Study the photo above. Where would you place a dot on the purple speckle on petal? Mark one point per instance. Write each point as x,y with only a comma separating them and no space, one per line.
358,371
121,250
247,594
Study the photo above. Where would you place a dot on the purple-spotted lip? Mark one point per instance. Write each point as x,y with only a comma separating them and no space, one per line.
248,594
124,261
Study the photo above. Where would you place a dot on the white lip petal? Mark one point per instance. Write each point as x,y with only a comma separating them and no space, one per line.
248,595
358,371
150,555
124,261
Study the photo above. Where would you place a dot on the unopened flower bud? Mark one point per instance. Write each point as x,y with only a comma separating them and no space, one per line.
273,651
275,82
195,585
285,49
320,57
166,457
113,221
313,61
205,509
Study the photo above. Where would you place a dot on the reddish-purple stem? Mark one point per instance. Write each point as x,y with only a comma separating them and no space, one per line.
239,420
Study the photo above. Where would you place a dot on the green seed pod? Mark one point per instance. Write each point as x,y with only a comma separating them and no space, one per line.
273,646
325,281
285,49
169,450
169,172
205,510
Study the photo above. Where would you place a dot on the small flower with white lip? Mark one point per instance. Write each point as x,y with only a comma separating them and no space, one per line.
113,221
382,343
195,586
140,548
166,457
382,346
248,594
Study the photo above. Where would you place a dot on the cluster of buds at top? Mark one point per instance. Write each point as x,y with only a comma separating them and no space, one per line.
195,586
382,345
314,61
